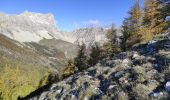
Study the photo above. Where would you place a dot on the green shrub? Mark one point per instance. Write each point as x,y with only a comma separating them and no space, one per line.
142,91
140,73
122,96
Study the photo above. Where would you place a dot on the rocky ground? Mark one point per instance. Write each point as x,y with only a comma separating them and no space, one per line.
141,74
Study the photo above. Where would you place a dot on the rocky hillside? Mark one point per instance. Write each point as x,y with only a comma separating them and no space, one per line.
141,74
24,67
21,69
69,49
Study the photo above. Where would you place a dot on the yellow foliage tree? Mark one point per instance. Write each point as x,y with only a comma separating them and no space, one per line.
14,82
154,19
69,70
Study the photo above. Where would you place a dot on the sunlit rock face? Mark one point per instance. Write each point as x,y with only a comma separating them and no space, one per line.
86,35
28,26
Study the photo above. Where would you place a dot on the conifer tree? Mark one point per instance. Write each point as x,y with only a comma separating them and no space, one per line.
154,19
94,55
81,60
112,46
131,28
136,18
125,35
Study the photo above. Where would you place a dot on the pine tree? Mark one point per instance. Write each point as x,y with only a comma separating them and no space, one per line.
112,46
81,60
125,35
94,55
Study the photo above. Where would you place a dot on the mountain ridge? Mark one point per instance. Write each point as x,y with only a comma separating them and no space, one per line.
33,27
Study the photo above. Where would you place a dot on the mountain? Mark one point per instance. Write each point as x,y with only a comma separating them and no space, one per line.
38,31
140,74
28,26
33,27
86,35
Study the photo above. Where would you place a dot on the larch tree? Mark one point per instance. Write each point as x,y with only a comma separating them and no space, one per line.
136,18
131,28
154,19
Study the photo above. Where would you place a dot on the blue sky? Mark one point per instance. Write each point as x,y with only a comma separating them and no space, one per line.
71,14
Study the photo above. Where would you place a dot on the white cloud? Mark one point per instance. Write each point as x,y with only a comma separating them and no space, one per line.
92,23
76,25
89,23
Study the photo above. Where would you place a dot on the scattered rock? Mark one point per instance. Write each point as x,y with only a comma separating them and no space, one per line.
119,74
167,86
104,85
92,73
122,96
135,55
156,94
126,62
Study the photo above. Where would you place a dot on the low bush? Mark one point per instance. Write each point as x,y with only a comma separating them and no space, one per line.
142,91
69,70
140,73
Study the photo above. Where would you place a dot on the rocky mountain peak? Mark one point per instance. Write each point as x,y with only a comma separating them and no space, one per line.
87,35
28,26
39,17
